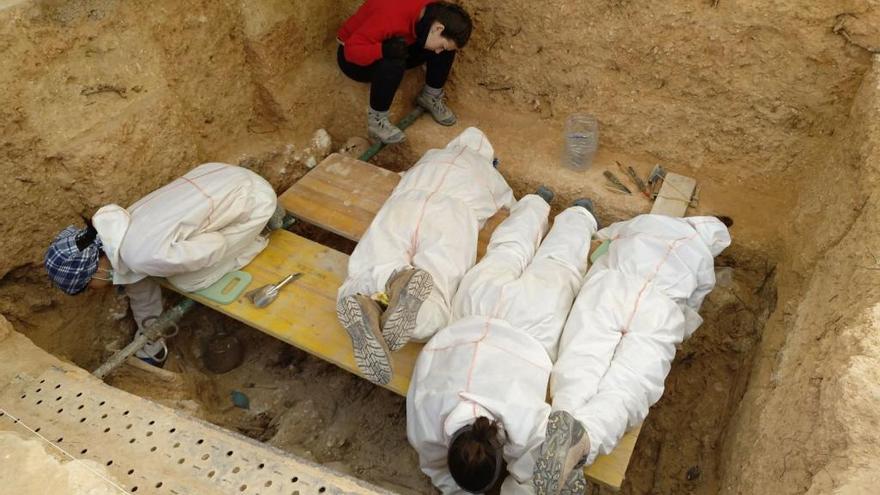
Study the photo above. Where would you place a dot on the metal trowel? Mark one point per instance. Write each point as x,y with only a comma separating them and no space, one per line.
264,295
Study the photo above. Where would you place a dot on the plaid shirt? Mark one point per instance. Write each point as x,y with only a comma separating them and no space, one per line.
69,268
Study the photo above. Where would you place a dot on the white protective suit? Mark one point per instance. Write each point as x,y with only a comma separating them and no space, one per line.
638,302
191,231
432,221
494,360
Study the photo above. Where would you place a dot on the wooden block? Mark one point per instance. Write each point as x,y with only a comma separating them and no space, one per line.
304,315
674,196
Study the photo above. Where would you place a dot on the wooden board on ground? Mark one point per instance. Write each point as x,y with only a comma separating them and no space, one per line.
343,194
304,315
674,196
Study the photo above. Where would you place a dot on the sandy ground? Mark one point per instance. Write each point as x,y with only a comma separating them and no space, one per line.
102,101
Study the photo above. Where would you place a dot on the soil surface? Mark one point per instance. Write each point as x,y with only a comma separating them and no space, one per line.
773,108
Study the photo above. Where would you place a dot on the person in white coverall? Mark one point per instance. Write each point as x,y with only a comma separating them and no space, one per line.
638,302
191,231
417,249
478,391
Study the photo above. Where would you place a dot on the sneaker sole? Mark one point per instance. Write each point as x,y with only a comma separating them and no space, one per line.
562,432
370,353
403,312
576,484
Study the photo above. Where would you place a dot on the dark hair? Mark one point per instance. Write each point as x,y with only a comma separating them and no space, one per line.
474,456
86,238
457,25
726,220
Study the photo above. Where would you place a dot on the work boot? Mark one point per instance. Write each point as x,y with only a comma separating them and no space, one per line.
360,316
431,99
563,455
381,129
407,289
587,204
545,193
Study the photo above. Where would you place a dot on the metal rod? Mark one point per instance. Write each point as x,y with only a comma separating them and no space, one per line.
403,124
152,332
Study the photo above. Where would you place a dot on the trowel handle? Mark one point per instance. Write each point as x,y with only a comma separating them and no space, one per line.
287,279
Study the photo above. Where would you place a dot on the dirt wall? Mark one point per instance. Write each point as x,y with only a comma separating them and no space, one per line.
808,423
102,101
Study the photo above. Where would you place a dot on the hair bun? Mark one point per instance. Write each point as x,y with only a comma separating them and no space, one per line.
484,429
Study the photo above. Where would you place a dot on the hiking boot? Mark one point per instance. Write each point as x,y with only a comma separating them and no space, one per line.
360,316
563,455
545,193
434,104
407,289
587,204
381,129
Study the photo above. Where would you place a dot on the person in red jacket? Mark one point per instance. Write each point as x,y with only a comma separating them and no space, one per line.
386,37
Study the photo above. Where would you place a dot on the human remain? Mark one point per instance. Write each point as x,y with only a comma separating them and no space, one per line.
478,392
191,231
638,302
406,268
384,38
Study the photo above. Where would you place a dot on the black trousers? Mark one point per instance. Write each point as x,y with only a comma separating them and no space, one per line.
385,75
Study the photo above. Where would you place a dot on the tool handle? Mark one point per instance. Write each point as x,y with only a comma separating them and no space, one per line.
287,279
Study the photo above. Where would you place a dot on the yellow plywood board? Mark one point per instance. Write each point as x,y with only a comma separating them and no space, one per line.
304,315
342,195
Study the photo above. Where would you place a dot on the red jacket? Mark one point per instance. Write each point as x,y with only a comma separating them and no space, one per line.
375,21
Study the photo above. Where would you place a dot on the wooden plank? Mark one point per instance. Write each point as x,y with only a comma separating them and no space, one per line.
304,315
342,195
674,196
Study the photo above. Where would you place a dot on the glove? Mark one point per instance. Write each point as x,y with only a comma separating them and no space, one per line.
394,48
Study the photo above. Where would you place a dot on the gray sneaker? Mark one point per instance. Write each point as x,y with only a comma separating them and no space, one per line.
434,104
407,290
563,454
381,129
360,317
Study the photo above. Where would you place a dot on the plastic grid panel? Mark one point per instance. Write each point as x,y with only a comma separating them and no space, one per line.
148,448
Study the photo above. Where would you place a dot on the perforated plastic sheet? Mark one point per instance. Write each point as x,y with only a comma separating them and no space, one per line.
149,448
